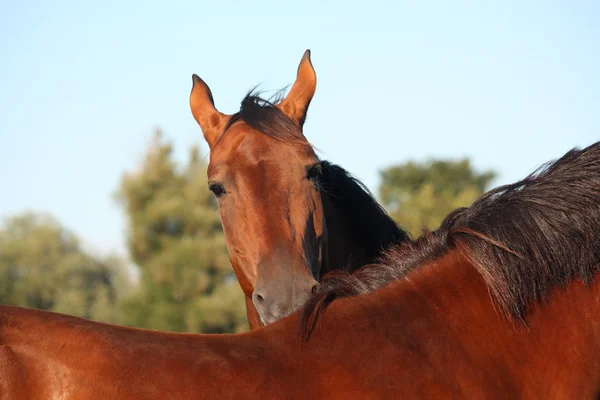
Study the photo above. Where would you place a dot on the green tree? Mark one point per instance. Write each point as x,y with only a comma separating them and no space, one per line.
419,195
42,265
175,238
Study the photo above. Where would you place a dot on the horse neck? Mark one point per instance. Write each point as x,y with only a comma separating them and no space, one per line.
358,229
562,330
441,318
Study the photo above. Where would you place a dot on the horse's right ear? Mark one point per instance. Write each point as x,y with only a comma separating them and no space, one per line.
211,121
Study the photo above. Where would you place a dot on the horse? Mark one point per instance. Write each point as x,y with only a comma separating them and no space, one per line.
501,301
288,217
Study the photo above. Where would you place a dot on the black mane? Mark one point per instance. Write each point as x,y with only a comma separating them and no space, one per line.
524,238
376,229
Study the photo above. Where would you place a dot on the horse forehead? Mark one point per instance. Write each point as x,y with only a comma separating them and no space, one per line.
243,147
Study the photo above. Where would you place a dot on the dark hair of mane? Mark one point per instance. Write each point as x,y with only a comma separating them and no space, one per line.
525,239
263,115
376,228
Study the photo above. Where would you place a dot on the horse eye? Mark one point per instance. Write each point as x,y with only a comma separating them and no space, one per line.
217,189
315,172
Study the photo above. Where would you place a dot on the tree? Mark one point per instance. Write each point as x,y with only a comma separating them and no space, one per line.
42,265
419,195
175,238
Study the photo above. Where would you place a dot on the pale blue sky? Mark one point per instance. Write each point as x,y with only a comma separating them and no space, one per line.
82,87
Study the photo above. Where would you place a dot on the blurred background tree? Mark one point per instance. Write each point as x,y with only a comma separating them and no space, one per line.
175,238
42,265
419,195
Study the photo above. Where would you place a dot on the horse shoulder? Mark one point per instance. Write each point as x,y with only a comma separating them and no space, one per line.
12,374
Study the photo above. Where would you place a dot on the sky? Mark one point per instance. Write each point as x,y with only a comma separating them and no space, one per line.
83,85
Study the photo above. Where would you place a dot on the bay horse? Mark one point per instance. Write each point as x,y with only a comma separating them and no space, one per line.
501,301
288,217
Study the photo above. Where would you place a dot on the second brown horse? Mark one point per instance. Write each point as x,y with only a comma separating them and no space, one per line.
502,301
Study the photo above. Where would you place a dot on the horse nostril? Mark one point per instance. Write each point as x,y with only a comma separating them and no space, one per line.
258,298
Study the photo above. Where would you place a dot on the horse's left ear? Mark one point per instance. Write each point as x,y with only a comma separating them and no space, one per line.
295,105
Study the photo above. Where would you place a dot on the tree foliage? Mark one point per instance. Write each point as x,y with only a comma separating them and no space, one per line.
175,238
42,265
420,195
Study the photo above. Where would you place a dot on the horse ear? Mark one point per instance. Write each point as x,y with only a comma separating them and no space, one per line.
211,121
295,105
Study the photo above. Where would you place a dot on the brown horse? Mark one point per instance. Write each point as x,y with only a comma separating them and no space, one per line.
288,217
502,301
